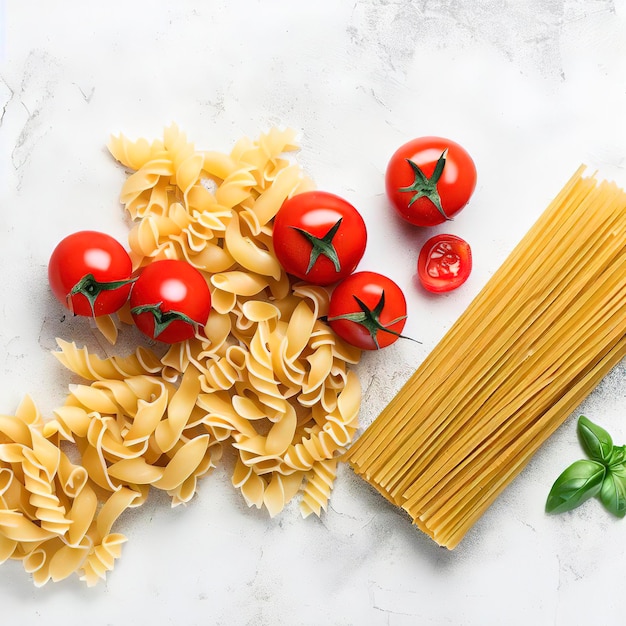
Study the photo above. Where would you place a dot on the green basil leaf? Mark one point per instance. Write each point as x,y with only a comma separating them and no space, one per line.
579,482
613,491
596,442
618,456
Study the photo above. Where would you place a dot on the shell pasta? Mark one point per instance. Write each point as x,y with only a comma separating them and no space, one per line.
267,378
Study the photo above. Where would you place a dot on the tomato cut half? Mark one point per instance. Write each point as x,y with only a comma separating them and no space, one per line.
444,263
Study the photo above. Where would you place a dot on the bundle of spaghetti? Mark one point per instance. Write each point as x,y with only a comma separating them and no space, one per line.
540,335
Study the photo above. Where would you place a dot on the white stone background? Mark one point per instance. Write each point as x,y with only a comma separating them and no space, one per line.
531,88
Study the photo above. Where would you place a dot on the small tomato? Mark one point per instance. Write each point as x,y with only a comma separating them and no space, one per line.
319,237
170,301
368,310
429,180
90,273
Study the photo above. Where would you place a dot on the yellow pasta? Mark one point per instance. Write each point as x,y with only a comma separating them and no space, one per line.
267,377
320,479
92,367
536,340
49,515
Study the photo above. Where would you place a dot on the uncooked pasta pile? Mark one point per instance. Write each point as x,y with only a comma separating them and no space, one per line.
542,333
269,379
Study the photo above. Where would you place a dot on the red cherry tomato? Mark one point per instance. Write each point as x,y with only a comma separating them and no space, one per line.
444,263
89,273
170,301
429,180
368,310
319,237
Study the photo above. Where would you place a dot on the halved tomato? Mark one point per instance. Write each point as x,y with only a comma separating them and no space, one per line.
444,263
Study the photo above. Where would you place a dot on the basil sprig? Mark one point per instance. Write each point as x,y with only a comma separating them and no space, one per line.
603,474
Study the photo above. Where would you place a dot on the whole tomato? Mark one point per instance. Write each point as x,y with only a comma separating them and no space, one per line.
429,180
444,263
319,237
170,301
90,273
368,310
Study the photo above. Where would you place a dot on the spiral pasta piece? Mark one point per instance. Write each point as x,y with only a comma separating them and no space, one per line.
105,547
319,482
91,367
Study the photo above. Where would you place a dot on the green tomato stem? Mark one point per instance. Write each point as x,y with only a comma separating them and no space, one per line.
162,319
425,187
91,288
370,319
322,246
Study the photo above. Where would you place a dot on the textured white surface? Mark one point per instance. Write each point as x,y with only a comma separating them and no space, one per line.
531,88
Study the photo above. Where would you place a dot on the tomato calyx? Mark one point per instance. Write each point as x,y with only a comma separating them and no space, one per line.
370,319
425,187
91,288
162,319
322,246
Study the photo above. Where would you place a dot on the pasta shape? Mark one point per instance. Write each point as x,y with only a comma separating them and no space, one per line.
49,515
319,483
91,367
267,377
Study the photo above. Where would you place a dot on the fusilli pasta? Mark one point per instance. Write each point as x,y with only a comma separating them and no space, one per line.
267,377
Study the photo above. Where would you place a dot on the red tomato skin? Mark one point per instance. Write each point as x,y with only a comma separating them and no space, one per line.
89,252
178,286
456,185
429,261
317,212
368,287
